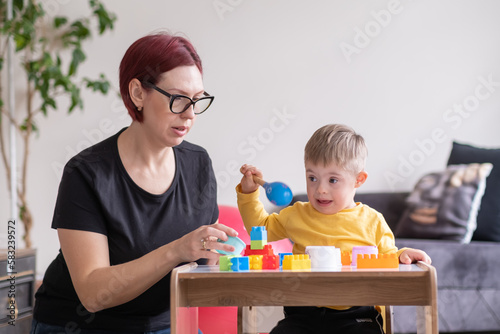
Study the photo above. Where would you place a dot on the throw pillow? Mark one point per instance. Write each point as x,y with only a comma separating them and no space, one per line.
444,205
488,219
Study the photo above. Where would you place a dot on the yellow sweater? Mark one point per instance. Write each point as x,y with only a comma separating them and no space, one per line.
305,226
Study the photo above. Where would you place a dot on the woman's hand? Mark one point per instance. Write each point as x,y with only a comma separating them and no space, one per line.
200,243
248,185
411,255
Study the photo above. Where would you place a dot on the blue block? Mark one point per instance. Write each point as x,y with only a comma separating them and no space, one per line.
240,263
258,233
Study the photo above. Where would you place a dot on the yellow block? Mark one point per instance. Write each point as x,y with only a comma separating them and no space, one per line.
372,261
255,262
296,262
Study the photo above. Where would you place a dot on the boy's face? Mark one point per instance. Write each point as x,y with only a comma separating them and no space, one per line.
330,188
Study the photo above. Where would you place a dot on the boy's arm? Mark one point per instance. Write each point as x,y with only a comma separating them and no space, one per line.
386,242
253,214
251,208
405,255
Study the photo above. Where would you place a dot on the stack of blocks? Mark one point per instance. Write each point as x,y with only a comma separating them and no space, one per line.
371,261
258,237
258,255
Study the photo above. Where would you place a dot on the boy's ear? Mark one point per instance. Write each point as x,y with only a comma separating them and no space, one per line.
360,179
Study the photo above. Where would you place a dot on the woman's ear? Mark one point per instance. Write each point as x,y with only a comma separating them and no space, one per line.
136,93
360,179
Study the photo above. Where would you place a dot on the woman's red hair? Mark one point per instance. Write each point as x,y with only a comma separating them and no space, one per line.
148,58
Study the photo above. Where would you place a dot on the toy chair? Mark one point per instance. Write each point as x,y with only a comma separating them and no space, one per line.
229,320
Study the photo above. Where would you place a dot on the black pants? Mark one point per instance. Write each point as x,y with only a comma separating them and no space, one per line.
318,320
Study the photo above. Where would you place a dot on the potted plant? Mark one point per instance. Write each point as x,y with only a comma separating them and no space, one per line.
49,49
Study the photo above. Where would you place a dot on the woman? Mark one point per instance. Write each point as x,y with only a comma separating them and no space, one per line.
136,205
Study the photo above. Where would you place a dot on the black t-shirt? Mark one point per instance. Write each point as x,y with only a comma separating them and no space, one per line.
96,194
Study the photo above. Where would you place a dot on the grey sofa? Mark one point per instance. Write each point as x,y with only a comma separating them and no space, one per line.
468,275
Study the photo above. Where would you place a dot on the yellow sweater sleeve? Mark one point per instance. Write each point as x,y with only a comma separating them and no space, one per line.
253,214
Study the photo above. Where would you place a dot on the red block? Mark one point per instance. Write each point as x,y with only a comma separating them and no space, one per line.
267,250
270,262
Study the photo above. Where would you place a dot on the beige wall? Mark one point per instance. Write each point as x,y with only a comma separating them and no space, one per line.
410,76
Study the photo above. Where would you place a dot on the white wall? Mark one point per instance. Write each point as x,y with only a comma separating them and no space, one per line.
278,71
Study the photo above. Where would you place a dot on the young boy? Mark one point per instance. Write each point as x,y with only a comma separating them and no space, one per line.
334,161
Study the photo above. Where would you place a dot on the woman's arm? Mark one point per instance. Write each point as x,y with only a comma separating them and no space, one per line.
100,285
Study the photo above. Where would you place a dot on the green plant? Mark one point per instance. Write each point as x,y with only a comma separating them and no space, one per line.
49,50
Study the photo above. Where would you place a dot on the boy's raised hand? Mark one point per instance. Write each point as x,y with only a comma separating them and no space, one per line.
248,185
411,255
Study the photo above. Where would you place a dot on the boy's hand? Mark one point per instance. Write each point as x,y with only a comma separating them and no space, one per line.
411,255
248,185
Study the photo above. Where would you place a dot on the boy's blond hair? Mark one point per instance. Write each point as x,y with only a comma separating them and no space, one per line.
338,144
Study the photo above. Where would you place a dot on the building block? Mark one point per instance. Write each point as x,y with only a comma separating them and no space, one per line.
282,255
240,263
225,263
270,262
368,261
258,244
258,233
255,262
258,237
296,262
362,250
345,257
266,250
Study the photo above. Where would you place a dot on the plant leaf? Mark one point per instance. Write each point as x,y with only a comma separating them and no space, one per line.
76,101
25,125
106,19
78,57
59,21
102,85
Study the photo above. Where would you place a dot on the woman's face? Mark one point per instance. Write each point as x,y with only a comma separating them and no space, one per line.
164,127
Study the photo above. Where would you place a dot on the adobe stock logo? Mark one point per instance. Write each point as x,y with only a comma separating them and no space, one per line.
222,7
453,117
373,28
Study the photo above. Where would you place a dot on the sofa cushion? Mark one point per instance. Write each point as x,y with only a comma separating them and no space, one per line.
468,286
444,205
488,219
472,266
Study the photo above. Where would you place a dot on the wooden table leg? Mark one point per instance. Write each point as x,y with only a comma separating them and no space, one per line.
429,313
176,294
389,319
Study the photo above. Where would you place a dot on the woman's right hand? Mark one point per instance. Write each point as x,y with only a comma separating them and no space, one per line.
200,243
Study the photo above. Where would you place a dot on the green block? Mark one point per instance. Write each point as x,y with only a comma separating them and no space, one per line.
258,244
225,263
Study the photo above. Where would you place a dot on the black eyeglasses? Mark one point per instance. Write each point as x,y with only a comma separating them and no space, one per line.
181,103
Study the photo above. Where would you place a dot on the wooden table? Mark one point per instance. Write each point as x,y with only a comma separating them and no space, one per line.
415,284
